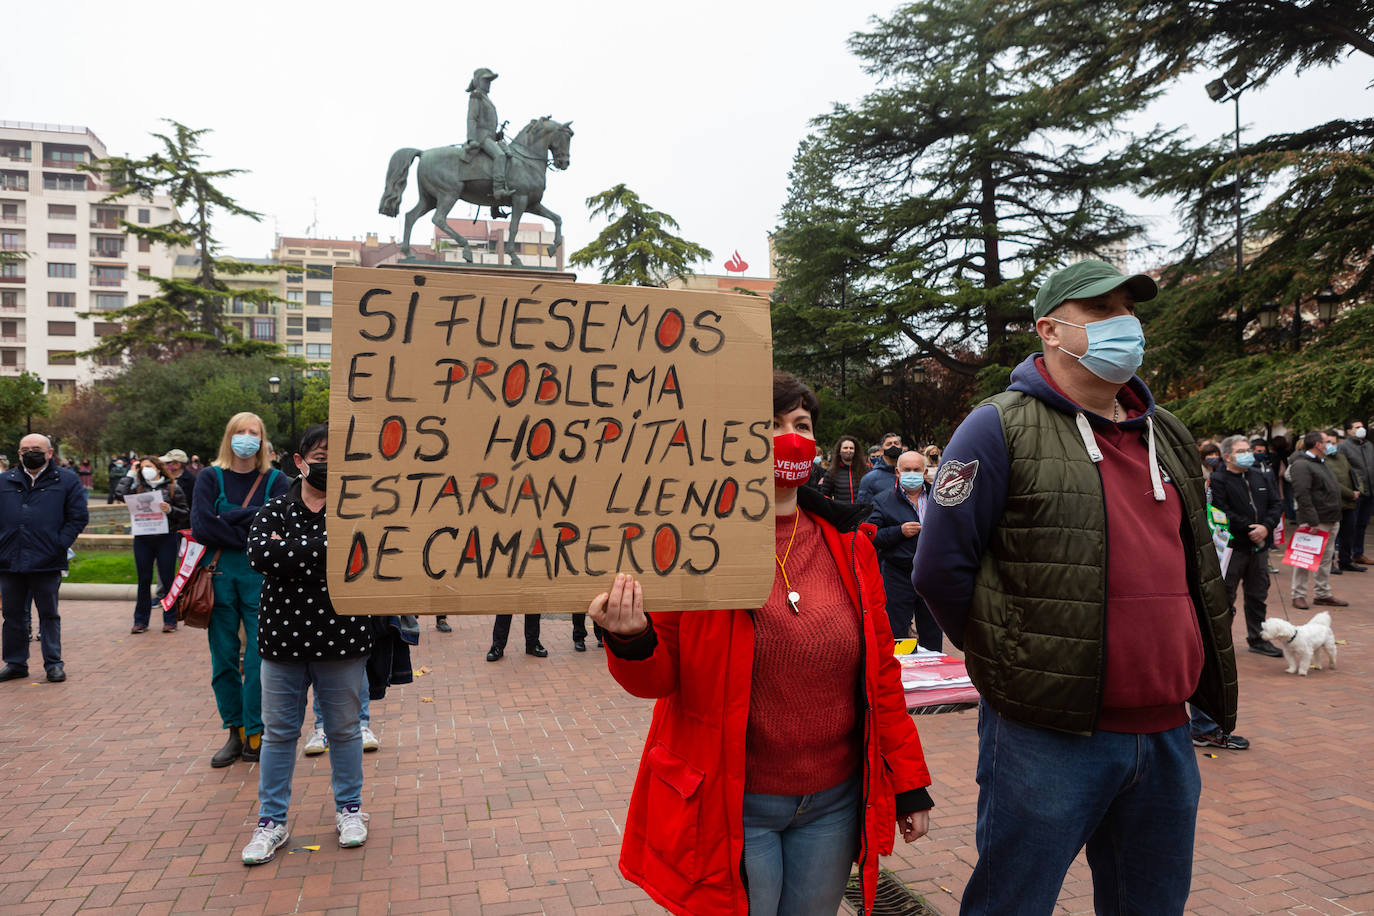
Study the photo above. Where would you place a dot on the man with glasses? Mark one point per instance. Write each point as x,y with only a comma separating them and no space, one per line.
42,510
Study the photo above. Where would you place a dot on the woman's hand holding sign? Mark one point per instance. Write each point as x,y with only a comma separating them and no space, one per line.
622,610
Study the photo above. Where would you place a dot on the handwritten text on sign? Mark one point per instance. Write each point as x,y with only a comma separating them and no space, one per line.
505,445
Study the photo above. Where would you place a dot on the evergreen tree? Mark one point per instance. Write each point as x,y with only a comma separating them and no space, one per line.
186,315
638,248
951,188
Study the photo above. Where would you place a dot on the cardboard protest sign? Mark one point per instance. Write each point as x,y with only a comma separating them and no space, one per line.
508,445
1305,552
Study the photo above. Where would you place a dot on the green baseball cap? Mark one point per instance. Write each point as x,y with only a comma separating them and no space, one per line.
1087,279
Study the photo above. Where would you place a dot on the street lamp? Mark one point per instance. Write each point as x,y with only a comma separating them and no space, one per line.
1268,315
1326,304
1234,81
274,386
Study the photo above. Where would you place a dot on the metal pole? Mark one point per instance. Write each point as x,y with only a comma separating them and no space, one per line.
292,379
1239,253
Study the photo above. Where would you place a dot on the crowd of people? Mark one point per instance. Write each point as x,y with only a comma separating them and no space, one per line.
1016,542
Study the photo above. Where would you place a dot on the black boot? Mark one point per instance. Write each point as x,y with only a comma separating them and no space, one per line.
232,750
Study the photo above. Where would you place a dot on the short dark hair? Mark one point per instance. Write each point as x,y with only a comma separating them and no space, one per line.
887,436
1333,434
1258,442
1209,448
312,437
790,392
1350,424
1312,439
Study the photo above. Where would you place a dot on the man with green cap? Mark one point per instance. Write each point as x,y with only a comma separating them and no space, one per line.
1065,549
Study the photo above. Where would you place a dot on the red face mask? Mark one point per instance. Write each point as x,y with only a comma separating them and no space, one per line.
792,454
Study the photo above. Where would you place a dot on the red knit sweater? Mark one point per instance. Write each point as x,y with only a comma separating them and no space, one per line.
802,734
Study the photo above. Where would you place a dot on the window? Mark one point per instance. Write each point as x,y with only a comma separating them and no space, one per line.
293,349
144,214
317,351
107,275
61,270
108,361
264,329
15,149
145,272
319,297
318,251
341,254
62,300
61,211
61,241
295,251
9,358
9,299
107,217
60,358
108,247
9,330
9,213
61,328
318,324
143,298
293,323
14,271
108,302
64,157
236,306
145,245
320,271
106,328
14,241
53,181
62,385
14,181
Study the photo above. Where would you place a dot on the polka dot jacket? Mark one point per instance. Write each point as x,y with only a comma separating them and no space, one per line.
296,620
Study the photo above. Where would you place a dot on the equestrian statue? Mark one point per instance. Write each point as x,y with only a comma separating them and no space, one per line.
485,171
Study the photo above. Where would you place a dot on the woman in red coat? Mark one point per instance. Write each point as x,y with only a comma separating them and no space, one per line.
781,751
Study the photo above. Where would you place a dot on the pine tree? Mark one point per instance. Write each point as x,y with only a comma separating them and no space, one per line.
954,186
638,248
186,315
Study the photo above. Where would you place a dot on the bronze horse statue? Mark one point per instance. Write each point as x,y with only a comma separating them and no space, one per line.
446,175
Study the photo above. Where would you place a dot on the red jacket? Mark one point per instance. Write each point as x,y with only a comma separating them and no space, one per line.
684,834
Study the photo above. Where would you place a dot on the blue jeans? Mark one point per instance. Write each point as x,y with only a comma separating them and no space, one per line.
798,849
1199,723
150,549
283,711
1044,795
364,717
16,590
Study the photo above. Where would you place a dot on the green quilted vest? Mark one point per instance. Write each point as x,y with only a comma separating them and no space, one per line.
1035,644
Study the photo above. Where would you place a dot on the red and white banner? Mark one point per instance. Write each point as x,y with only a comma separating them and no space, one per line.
187,558
1305,552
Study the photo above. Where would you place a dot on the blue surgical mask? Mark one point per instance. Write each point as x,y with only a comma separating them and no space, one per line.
245,446
1116,347
1245,460
912,479
1330,449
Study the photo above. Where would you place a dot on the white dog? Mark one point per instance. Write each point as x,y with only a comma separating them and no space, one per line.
1300,644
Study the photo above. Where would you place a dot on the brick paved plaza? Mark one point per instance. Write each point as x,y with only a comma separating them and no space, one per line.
500,788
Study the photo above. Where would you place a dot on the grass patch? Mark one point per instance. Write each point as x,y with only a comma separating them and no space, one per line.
109,566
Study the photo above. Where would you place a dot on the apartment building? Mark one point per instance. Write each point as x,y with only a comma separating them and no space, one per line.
254,320
79,256
308,287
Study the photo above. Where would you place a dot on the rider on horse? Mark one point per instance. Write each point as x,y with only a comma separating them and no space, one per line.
483,131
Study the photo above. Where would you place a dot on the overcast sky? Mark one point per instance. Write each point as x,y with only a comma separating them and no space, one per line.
697,107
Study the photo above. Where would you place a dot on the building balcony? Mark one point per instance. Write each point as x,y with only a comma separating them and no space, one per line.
7,308
12,220
62,163
9,279
114,253
107,281
12,246
10,340
106,224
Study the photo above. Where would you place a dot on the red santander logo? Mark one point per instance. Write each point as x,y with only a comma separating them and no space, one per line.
737,264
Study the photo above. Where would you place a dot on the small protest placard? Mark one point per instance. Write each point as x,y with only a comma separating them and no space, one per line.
1306,549
188,555
145,513
509,445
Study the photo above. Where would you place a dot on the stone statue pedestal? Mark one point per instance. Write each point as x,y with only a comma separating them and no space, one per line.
551,274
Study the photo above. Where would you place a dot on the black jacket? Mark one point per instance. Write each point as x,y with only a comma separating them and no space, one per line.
39,521
175,496
1248,498
842,482
1315,490
890,510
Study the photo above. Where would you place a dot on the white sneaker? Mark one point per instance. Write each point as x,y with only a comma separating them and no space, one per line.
352,826
370,742
268,837
317,744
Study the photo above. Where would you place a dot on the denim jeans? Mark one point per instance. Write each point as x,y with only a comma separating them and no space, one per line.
364,717
16,589
1044,795
284,684
798,849
1199,723
151,549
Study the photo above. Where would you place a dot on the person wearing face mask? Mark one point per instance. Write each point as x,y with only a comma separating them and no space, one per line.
228,496
842,479
1357,448
1246,495
1352,485
156,549
1317,496
1065,548
743,806
42,510
883,477
897,517
304,644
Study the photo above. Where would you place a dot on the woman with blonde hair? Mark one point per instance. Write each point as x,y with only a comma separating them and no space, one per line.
227,497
